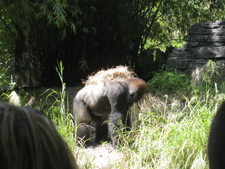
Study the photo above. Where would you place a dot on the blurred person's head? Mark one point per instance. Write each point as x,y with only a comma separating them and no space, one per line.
29,140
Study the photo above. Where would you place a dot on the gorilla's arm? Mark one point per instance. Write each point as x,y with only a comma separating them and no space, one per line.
216,144
82,115
117,96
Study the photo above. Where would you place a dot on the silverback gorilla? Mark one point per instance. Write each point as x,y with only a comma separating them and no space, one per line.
106,100
216,144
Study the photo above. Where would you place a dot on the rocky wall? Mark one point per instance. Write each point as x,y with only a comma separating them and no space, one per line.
205,41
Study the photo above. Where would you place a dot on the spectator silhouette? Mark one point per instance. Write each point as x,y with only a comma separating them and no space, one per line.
29,140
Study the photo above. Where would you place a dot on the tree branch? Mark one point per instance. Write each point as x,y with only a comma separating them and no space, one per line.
6,25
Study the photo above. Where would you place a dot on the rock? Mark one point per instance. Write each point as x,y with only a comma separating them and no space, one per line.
205,41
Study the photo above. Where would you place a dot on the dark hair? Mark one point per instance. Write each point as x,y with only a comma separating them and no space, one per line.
29,140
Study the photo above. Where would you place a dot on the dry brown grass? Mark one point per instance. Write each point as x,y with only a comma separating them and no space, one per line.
109,74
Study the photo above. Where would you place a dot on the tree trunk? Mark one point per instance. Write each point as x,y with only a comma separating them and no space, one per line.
26,67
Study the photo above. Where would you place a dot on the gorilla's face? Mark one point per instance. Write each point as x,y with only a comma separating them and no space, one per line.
136,92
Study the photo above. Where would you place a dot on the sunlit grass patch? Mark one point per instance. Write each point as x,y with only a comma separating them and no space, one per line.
169,131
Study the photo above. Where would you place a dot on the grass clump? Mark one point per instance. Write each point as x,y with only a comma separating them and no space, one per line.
171,136
169,82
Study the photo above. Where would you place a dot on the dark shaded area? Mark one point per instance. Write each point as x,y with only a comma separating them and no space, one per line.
150,61
107,33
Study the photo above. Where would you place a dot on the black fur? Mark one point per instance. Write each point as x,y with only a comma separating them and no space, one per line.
106,102
216,144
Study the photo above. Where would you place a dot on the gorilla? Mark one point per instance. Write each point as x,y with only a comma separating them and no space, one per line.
106,102
216,142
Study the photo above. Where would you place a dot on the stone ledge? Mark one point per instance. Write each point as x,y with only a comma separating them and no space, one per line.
204,42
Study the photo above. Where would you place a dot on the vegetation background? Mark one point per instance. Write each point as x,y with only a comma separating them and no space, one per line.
89,35
171,123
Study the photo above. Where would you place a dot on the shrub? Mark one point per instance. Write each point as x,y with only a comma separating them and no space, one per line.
169,82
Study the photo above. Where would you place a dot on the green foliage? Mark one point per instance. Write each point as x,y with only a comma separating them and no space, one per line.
174,18
62,94
207,75
83,64
82,33
7,37
65,126
169,82
59,13
211,72
4,76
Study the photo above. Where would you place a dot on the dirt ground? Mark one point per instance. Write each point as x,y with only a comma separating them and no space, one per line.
101,157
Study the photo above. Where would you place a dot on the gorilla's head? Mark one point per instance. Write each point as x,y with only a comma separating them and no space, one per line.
137,88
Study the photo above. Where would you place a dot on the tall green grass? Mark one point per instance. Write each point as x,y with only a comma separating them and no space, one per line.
170,124
170,82
171,139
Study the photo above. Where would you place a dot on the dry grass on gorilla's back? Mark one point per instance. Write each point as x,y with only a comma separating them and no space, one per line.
109,74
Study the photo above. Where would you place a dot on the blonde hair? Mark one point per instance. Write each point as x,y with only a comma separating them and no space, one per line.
29,140
109,74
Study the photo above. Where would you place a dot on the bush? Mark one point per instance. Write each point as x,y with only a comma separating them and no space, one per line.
169,82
